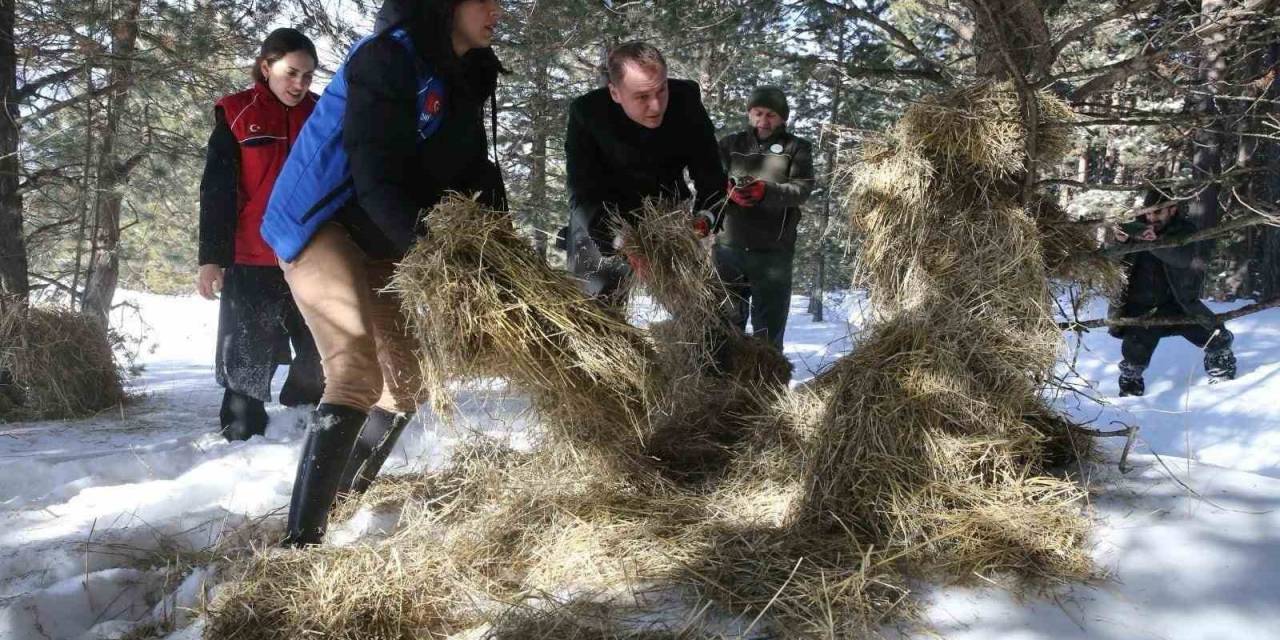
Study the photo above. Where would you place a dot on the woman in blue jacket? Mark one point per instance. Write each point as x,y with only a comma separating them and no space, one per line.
371,377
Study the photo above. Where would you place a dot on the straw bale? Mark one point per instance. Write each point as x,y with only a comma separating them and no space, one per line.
61,364
934,440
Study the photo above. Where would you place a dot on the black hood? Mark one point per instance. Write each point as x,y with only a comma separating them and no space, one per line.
398,12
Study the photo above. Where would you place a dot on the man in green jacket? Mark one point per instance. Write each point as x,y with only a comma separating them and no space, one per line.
771,172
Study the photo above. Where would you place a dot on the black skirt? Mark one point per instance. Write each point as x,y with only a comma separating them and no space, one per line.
258,322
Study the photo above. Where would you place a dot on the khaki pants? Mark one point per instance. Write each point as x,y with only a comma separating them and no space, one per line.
367,356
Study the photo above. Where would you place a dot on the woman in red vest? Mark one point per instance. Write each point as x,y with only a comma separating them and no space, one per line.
258,320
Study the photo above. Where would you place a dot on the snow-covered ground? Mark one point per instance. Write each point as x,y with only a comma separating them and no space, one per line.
91,510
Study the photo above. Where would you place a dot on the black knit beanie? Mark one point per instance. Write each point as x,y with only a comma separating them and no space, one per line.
771,98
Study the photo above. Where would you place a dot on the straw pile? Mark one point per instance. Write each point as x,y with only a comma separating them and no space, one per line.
669,460
718,379
934,438
55,364
484,305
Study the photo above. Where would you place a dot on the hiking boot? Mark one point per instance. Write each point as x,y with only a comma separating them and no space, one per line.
331,432
1220,364
377,439
1131,383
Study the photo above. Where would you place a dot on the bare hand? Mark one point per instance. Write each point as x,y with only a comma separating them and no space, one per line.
1148,235
209,281
1119,233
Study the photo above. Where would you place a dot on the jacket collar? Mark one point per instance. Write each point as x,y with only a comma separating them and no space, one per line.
779,136
265,96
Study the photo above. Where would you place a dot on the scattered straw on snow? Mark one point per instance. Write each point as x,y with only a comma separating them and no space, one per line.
672,460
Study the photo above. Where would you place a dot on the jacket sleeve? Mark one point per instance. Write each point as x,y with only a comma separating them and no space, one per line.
705,168
1181,257
799,182
583,167
219,195
380,134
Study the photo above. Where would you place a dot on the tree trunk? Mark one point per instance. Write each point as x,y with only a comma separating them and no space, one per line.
1010,38
819,283
1265,187
14,285
537,202
104,268
1206,159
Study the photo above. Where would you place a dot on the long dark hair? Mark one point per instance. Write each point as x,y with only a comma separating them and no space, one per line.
280,43
430,24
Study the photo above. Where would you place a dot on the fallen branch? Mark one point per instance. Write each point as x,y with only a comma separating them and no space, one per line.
1129,433
1167,321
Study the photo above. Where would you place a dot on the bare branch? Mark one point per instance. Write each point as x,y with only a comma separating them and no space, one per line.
1221,229
1168,321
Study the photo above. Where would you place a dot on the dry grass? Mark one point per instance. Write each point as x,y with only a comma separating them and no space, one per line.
934,438
980,129
673,459
484,305
61,365
1070,250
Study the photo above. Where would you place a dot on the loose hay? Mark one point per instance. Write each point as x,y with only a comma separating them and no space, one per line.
934,438
60,365
673,457
484,305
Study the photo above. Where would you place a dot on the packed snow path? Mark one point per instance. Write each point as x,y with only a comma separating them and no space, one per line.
92,510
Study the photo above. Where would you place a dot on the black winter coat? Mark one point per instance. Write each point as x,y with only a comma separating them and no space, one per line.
395,175
614,164
1163,279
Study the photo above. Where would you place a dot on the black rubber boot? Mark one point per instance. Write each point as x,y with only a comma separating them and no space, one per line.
241,416
1131,383
377,439
331,431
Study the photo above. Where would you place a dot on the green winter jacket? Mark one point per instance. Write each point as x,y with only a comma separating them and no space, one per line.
785,162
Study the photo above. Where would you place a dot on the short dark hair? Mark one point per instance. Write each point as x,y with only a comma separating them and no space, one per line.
637,52
280,43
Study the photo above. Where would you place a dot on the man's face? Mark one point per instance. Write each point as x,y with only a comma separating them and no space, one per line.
1158,218
642,93
764,120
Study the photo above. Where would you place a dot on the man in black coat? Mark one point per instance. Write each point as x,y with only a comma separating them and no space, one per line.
629,141
1165,283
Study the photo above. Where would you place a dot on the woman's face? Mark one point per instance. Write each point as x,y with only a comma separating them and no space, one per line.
473,24
290,77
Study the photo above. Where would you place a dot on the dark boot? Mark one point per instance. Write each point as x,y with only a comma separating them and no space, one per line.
331,431
1131,383
1220,364
241,416
377,439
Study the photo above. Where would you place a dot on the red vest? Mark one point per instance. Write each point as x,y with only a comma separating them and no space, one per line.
265,129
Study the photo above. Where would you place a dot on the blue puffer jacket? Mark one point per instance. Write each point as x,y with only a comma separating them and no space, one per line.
316,181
